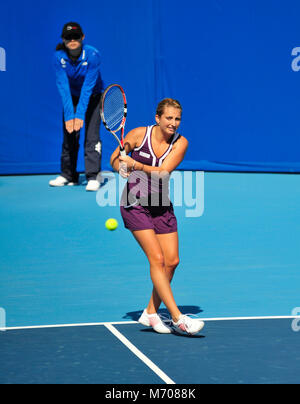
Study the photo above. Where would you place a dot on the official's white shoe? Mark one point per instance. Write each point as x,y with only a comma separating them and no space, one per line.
155,321
92,185
60,181
188,325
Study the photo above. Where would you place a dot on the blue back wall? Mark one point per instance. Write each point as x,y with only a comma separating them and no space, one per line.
232,64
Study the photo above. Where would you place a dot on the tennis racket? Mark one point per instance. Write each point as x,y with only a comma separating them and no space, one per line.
113,112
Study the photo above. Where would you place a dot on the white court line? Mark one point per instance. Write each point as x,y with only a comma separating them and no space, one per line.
139,354
249,318
135,322
35,327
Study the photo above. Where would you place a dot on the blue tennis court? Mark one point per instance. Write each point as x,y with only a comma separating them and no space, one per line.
72,292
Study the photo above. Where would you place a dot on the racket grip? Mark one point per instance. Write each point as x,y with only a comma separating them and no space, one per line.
123,152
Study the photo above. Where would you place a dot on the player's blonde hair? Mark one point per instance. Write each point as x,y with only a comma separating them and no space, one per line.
167,102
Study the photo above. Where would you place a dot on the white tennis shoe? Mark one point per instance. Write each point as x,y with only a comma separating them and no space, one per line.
156,322
188,325
60,181
92,185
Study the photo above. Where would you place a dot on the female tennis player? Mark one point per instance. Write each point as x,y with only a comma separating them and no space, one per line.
79,82
155,152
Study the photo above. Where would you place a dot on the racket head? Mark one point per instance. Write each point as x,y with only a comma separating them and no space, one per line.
114,110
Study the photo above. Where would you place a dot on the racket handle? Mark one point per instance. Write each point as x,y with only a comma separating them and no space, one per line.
123,152
123,167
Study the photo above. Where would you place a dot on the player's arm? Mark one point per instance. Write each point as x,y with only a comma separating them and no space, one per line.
132,140
171,162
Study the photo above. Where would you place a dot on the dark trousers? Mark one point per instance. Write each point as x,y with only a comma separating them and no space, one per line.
92,144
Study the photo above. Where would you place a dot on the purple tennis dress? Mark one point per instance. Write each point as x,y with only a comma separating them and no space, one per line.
145,201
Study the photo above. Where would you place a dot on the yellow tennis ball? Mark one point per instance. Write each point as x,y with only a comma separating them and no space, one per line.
111,224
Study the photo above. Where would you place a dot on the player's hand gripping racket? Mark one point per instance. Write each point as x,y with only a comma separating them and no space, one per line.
114,112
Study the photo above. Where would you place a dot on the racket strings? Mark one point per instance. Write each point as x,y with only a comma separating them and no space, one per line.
113,109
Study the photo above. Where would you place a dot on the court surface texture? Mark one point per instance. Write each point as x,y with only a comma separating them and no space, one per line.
71,292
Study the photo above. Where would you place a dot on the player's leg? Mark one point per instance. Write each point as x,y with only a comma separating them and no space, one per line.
150,244
152,248
169,245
